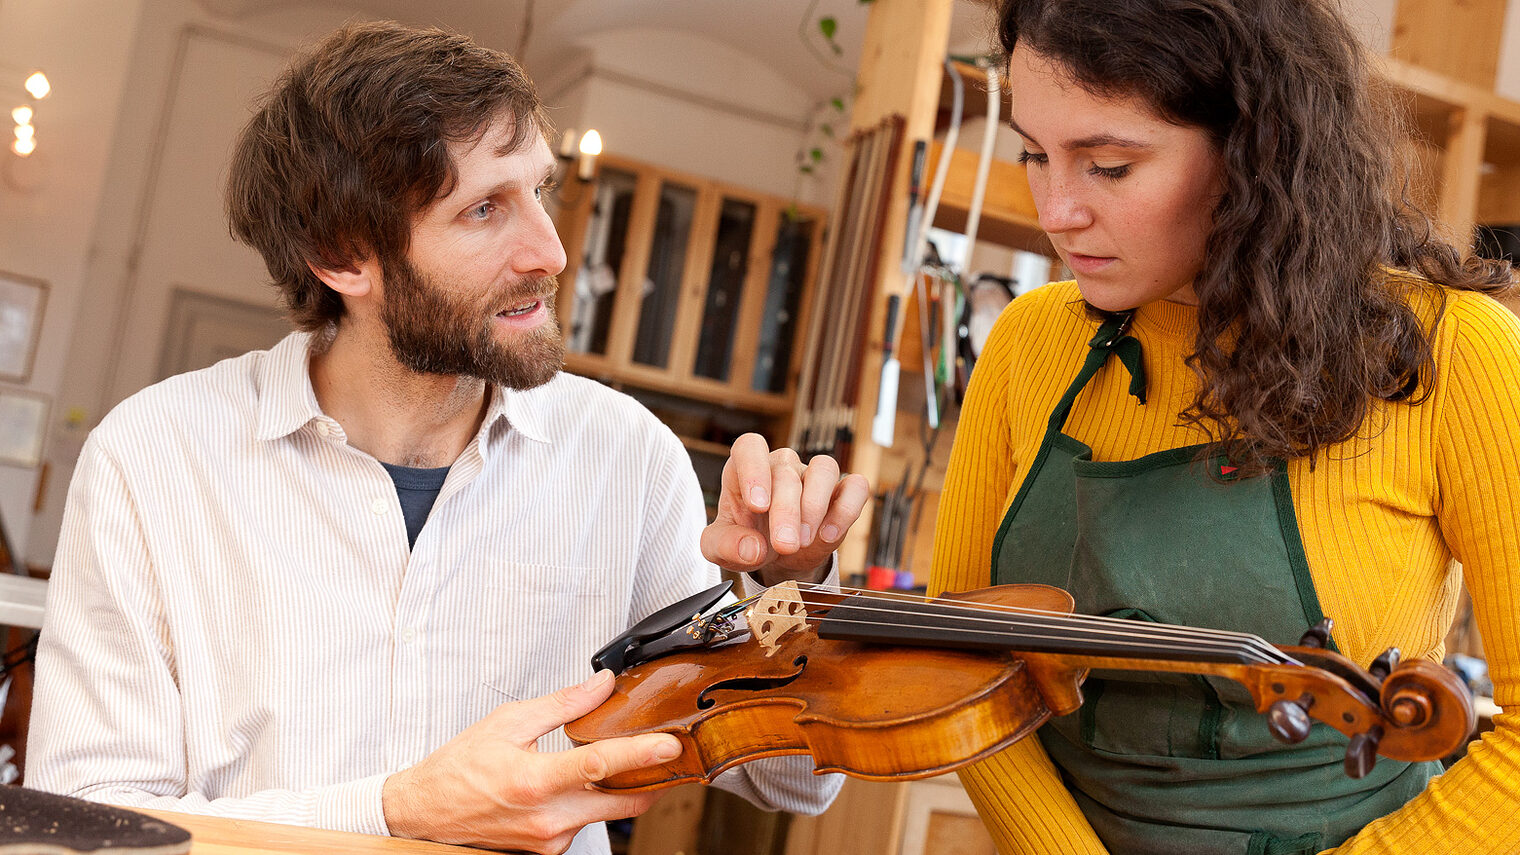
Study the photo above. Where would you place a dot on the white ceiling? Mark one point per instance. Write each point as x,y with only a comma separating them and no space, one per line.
782,34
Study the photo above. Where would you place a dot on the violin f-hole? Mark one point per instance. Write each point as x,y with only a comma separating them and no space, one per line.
750,684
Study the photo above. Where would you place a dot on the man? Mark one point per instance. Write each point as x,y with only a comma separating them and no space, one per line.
347,581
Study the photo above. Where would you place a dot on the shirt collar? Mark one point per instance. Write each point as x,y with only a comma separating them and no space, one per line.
287,401
526,410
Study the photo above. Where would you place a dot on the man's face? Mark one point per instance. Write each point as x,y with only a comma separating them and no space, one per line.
476,295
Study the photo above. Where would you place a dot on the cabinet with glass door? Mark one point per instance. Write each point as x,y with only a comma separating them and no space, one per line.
689,294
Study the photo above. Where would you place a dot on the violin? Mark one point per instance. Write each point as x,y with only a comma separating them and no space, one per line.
892,687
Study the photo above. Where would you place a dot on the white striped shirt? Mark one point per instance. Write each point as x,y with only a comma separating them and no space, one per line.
236,626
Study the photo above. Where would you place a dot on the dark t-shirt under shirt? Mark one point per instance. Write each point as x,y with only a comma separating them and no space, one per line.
417,489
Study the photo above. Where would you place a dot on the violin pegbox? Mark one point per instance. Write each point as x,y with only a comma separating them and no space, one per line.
775,613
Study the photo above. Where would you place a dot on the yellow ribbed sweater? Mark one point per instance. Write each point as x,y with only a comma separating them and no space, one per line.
1381,517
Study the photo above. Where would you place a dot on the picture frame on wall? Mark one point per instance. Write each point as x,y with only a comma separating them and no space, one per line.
23,424
22,299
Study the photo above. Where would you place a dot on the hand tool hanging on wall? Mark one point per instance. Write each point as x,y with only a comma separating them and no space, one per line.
884,425
955,293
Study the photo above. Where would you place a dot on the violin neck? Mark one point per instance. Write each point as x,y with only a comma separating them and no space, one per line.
945,624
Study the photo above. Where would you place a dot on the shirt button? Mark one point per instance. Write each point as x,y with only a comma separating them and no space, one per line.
380,506
408,635
322,429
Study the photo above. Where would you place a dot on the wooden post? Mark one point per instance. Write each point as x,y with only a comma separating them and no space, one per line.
1461,173
901,65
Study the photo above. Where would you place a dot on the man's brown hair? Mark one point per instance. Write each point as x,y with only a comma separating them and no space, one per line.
352,142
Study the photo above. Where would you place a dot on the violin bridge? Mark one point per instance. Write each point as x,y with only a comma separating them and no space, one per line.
774,614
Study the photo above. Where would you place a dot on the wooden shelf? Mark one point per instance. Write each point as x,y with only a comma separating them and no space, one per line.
657,380
1008,213
704,446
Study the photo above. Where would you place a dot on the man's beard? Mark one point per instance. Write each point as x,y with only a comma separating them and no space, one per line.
432,332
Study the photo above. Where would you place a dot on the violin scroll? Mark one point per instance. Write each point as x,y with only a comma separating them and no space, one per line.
1421,698
1420,711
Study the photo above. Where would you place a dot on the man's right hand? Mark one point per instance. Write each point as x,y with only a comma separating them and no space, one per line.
491,787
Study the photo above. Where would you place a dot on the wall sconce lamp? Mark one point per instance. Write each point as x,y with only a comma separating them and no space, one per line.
590,146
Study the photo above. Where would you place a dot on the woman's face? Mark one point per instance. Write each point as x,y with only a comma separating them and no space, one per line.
1126,197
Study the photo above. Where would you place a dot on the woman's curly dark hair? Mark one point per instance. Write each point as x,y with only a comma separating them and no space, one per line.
1301,327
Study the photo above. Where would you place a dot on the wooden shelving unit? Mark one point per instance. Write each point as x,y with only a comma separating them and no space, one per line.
664,231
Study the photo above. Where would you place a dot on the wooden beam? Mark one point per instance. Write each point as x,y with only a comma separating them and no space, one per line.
630,290
751,312
901,66
698,269
1458,38
1461,172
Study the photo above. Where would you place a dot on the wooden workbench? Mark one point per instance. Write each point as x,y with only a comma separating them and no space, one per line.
213,835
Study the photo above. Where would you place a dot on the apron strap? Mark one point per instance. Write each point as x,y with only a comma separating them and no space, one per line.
1112,338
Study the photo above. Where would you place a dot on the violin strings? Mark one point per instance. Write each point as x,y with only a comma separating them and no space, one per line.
1155,635
1122,625
1097,628
1124,648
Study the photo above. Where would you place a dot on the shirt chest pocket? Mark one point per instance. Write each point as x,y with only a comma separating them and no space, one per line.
539,628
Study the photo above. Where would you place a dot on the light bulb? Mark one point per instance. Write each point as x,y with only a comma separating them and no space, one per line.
591,143
38,85
24,147
25,132
22,115
591,146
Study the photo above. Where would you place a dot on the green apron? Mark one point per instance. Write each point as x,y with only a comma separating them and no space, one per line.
1171,763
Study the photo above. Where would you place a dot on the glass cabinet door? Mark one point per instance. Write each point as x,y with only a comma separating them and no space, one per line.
603,248
661,287
725,286
783,301
685,286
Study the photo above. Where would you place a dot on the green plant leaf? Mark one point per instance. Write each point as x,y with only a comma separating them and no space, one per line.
828,26
806,169
837,103
827,130
816,154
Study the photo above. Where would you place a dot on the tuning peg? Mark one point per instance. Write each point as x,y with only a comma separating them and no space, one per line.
1361,752
1289,720
1382,666
1318,635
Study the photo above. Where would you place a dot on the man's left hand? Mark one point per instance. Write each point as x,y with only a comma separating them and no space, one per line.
778,517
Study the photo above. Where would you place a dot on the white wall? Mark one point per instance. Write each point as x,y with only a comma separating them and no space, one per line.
693,104
49,203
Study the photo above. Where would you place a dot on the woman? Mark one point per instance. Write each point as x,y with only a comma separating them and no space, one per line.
1296,423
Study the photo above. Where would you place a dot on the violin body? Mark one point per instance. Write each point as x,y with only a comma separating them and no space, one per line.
864,709
895,712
